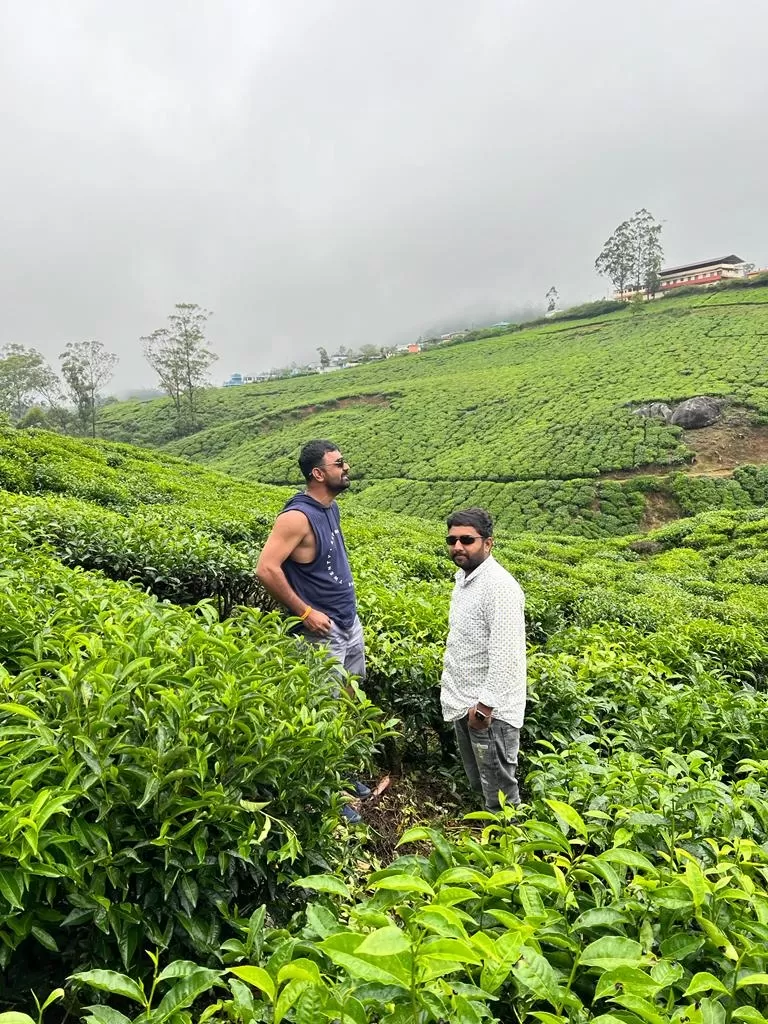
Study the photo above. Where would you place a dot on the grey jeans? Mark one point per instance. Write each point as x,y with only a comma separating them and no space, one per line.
347,646
490,759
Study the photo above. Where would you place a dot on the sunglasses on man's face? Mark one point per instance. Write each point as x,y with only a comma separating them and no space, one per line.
465,539
336,462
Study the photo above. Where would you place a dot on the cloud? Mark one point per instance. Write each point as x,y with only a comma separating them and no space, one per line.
349,172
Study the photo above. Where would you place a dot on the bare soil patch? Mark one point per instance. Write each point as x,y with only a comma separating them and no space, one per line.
303,411
660,509
717,450
724,446
409,800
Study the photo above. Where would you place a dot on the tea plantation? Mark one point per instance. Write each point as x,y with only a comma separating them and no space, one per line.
173,764
528,424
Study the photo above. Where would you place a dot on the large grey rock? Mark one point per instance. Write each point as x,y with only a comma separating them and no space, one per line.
655,410
693,413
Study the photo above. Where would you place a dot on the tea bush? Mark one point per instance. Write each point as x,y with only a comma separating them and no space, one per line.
165,770
525,423
159,767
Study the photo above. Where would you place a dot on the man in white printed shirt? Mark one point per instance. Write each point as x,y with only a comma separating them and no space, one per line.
483,686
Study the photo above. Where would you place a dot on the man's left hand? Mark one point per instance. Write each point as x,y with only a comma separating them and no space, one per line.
477,723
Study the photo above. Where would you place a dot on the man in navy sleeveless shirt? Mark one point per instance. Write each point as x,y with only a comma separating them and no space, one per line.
304,562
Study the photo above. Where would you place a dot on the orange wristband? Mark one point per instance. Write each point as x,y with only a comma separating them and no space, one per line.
307,612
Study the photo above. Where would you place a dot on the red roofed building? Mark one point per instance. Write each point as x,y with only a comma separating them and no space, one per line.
702,273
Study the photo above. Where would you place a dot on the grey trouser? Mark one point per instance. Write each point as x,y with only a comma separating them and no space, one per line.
345,645
490,759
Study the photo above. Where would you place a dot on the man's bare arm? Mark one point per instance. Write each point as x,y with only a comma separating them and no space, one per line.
290,529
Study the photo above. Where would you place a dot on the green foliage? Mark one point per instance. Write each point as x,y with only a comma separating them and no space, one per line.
158,765
25,377
165,771
527,422
555,915
592,310
86,366
179,356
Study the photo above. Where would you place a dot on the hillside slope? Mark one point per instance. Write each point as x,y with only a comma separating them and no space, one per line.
539,425
169,767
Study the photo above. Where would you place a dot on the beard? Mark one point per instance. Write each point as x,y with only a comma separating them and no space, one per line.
468,562
338,488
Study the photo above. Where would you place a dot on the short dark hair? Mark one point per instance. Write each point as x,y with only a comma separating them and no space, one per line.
312,454
477,517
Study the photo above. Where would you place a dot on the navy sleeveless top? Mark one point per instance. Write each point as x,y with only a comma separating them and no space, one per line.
325,583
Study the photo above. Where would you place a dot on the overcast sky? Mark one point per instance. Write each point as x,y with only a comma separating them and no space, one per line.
325,173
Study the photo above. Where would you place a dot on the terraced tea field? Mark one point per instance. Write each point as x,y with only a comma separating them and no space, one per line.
533,423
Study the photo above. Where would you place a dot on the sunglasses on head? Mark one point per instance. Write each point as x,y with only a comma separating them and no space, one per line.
465,538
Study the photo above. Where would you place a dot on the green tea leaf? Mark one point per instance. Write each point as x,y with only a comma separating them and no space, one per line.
569,816
58,993
257,977
442,920
289,996
184,993
111,981
105,1015
323,883
752,979
414,835
465,1011
746,1013
641,1007
629,858
626,979
666,973
178,969
697,883
456,950
537,974
11,887
703,981
402,883
612,951
717,937
680,945
599,917
384,942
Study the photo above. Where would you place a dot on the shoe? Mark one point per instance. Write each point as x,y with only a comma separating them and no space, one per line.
362,792
350,815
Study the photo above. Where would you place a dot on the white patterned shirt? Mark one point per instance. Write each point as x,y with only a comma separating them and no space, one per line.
485,654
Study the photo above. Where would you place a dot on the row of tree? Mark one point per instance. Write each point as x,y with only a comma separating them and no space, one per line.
32,394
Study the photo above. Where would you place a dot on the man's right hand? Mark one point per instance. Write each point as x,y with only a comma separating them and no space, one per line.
318,622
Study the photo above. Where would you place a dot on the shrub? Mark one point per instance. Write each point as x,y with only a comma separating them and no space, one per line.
159,768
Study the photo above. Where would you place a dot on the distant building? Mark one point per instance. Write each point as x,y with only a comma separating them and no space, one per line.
236,379
703,273
689,275
413,348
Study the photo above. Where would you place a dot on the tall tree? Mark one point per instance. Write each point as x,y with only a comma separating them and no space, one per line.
180,357
648,254
25,379
86,367
325,359
633,254
552,299
616,259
